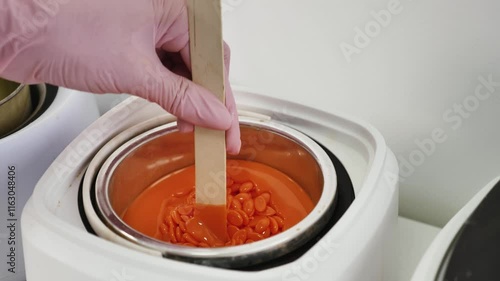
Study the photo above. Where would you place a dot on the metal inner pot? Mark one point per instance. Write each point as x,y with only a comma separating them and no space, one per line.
163,150
15,105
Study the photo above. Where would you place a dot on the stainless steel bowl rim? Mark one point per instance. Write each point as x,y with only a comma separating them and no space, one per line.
113,220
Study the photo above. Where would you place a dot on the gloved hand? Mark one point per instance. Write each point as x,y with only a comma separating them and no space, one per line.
113,46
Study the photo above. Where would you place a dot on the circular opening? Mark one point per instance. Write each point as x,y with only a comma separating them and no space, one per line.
150,156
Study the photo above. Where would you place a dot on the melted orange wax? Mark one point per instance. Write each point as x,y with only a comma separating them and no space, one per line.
167,211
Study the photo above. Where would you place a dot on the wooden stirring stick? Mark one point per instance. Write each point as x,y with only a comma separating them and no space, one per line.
207,66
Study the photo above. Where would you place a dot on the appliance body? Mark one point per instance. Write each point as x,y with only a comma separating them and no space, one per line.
358,247
25,155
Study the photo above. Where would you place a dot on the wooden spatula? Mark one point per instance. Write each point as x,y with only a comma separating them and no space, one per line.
207,64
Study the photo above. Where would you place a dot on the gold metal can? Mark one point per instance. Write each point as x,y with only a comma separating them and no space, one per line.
15,105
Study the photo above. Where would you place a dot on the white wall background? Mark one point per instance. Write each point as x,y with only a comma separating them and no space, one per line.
413,70
409,80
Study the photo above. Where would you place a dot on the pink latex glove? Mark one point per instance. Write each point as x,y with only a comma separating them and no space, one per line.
113,46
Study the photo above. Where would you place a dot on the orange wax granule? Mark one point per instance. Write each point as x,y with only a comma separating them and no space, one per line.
261,202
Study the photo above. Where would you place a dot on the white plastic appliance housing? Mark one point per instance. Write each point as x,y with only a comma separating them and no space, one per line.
24,156
357,248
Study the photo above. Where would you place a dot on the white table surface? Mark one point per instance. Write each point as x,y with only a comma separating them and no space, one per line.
413,240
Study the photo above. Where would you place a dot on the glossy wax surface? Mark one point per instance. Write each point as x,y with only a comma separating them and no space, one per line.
261,202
